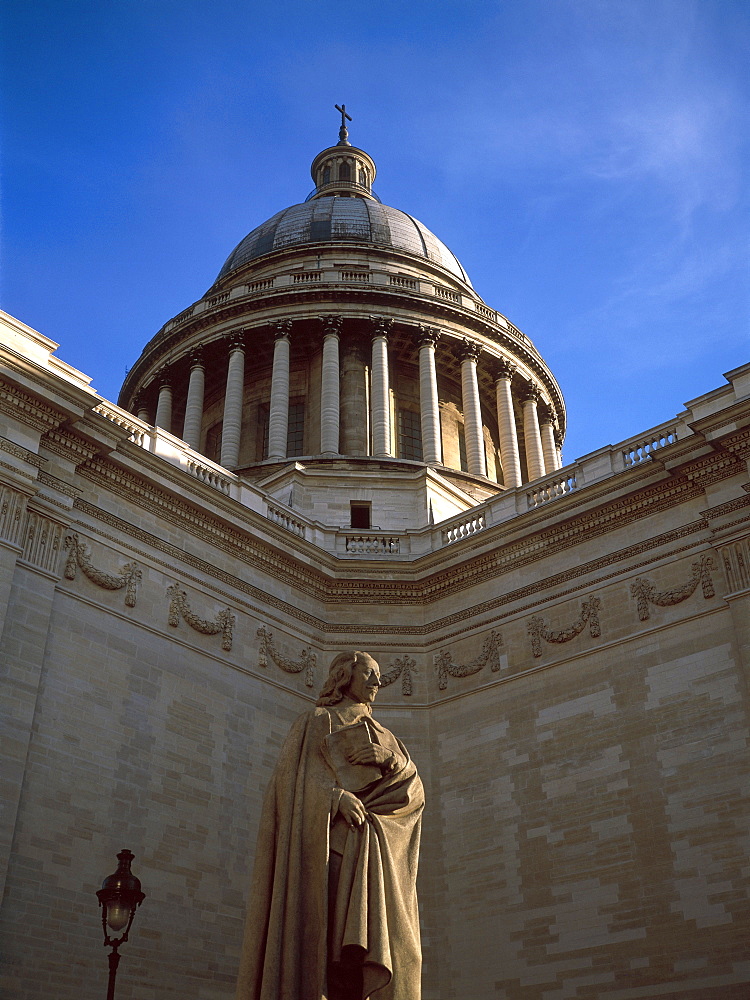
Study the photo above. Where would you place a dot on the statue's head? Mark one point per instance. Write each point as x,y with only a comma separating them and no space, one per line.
351,674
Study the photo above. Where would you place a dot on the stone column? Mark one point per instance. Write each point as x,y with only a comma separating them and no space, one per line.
278,419
355,418
329,387
532,437
233,396
142,411
506,424
164,407
472,409
547,434
558,449
380,403
191,429
428,396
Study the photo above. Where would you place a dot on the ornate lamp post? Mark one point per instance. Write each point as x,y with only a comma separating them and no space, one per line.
119,898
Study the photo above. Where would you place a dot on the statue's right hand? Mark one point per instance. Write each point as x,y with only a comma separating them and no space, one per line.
352,810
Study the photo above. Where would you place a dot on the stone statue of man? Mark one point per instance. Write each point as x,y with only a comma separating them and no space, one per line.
333,906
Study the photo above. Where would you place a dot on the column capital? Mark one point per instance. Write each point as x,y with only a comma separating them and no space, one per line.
139,403
163,379
282,329
546,414
470,350
428,336
236,340
196,357
331,325
558,437
380,326
504,369
531,393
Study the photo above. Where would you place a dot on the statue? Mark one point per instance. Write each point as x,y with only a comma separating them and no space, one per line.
333,904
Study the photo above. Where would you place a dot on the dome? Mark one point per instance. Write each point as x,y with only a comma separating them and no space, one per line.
342,219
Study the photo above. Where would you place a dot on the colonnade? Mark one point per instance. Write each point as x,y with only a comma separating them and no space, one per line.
542,445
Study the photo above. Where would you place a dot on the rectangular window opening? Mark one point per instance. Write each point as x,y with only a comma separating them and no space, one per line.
360,512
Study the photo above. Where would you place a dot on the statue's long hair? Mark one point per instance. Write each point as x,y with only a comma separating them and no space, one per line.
339,677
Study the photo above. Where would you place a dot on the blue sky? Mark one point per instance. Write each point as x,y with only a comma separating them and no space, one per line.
585,159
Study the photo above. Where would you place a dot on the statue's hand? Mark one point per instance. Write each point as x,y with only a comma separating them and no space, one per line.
372,754
352,809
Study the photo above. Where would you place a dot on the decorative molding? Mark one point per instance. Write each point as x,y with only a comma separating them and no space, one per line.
490,654
28,408
307,662
41,540
645,591
78,555
12,510
11,448
179,607
403,667
735,561
68,445
589,613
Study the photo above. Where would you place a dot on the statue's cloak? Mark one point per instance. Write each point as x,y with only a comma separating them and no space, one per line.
287,932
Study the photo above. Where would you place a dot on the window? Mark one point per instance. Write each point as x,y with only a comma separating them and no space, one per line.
326,175
295,435
212,449
296,432
363,177
345,171
462,448
409,435
360,511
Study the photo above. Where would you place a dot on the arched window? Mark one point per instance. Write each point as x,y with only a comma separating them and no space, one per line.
363,177
326,175
345,171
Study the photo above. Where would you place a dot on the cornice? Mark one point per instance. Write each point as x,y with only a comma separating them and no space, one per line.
29,409
30,457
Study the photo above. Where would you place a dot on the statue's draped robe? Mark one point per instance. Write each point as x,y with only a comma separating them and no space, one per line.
285,948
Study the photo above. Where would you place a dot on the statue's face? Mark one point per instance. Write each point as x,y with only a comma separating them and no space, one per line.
365,680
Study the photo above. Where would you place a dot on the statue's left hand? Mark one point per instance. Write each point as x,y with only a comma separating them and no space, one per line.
372,754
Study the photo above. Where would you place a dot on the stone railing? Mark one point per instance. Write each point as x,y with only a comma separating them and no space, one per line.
638,451
218,300
305,277
355,276
260,286
372,544
468,525
209,475
137,431
550,489
286,519
446,293
401,282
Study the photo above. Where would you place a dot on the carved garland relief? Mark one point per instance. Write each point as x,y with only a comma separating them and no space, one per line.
589,613
179,608
403,667
645,591
307,662
78,556
445,665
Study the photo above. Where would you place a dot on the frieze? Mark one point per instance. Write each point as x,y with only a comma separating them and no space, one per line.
12,510
538,631
179,608
307,661
645,591
129,576
67,445
403,667
735,561
445,665
41,540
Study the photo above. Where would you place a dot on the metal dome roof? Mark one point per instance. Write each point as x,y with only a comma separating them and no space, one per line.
343,220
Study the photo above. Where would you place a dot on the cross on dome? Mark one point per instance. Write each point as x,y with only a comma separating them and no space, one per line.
343,131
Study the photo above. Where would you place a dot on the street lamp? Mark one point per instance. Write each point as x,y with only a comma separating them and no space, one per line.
119,897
